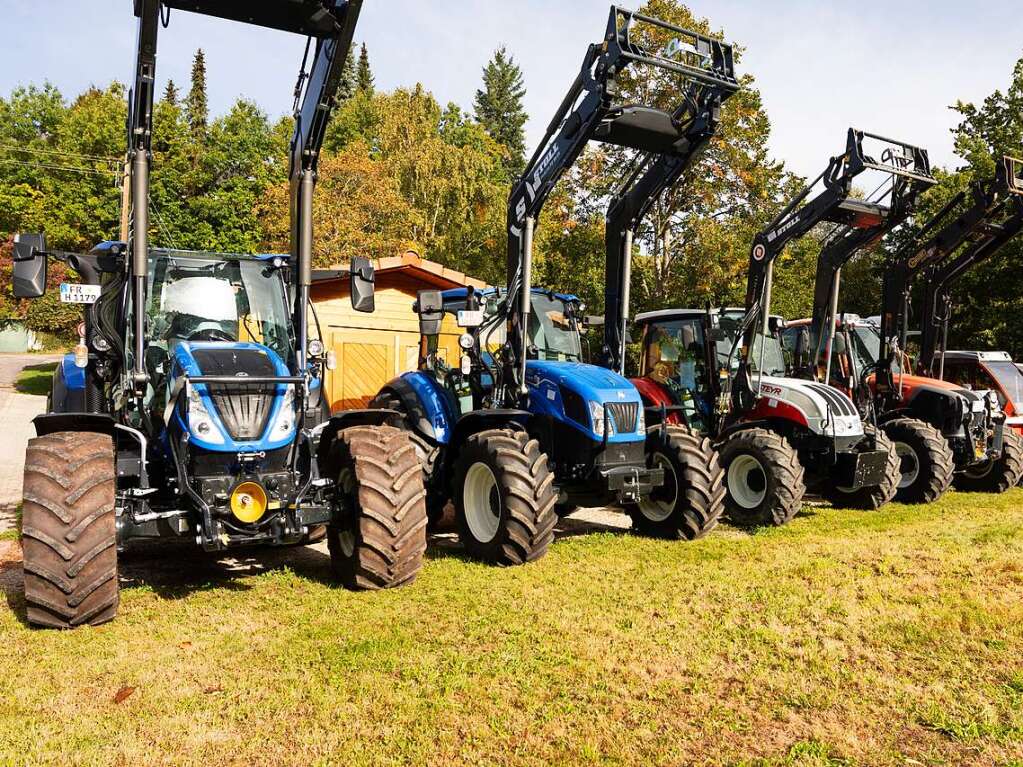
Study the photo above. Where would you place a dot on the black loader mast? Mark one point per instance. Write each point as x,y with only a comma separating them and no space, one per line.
591,110
698,119
1000,201
331,24
836,204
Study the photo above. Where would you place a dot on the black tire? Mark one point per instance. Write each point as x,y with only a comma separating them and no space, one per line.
378,536
872,497
428,454
69,532
925,460
763,478
518,493
692,499
995,476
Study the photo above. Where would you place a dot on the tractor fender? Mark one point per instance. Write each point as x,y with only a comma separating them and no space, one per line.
50,423
67,392
427,406
499,418
346,420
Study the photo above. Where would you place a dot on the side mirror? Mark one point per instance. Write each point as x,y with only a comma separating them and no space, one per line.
430,308
361,285
775,325
29,265
593,321
803,344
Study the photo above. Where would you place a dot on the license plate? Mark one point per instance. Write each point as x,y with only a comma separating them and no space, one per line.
470,319
76,293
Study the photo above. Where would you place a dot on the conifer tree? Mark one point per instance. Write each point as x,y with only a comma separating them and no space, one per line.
364,75
197,106
499,107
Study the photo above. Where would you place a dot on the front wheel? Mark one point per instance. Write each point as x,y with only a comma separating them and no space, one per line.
690,502
504,497
995,476
378,535
763,478
69,530
926,464
872,497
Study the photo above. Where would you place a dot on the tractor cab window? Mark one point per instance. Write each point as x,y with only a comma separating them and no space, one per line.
553,330
673,356
766,356
865,348
206,297
1010,383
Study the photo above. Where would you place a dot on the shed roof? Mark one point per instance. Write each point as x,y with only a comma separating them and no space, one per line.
410,263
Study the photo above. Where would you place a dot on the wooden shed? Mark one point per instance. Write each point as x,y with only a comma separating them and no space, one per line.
373,348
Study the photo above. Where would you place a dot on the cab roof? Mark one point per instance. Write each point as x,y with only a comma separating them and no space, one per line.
978,356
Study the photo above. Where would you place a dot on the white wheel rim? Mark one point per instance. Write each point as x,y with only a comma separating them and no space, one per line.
660,504
481,500
747,481
909,465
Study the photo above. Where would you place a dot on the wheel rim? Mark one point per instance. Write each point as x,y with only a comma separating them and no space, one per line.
660,504
909,465
481,500
747,481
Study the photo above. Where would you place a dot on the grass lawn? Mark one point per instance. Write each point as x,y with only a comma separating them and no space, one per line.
887,638
36,379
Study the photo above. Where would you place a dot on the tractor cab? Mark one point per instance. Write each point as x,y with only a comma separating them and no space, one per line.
992,371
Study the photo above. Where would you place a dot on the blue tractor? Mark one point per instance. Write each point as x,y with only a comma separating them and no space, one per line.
192,407
521,359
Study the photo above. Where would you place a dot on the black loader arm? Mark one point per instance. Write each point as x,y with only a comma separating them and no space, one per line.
905,166
591,110
1001,203
330,26
698,119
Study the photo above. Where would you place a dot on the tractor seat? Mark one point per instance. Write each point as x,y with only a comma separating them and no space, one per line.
639,127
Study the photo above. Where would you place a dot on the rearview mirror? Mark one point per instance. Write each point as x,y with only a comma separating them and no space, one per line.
29,276
776,325
593,321
430,308
362,285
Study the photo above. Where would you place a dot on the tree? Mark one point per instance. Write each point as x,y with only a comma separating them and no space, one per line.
348,85
197,106
499,107
170,94
363,74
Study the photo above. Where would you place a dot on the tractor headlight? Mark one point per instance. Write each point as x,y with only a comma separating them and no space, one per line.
284,423
200,422
601,426
641,421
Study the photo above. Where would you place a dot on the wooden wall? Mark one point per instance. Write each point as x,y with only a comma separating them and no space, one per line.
373,348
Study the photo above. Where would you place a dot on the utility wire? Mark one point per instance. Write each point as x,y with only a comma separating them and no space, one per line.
34,150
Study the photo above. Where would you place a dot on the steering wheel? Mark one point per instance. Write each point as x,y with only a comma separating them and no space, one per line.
212,334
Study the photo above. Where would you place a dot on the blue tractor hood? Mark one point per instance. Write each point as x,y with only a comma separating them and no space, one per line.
565,390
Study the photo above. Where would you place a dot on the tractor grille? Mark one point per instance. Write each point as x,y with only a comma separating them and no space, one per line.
625,415
244,408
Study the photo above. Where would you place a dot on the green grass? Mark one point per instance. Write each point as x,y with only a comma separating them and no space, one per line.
845,638
35,379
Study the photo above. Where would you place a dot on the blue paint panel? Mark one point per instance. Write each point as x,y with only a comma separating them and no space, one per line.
592,383
74,376
184,362
435,402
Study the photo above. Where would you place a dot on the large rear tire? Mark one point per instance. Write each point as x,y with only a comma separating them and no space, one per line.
872,497
690,502
69,532
763,478
926,464
504,497
995,476
427,452
378,536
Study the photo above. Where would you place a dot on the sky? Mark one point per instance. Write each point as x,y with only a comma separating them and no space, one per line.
888,66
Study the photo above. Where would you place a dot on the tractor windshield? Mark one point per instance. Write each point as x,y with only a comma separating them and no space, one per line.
1010,379
553,330
767,357
214,297
866,348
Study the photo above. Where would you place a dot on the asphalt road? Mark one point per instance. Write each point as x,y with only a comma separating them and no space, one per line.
16,414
